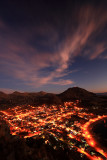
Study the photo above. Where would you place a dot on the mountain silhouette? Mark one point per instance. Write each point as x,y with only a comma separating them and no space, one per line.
77,93
38,98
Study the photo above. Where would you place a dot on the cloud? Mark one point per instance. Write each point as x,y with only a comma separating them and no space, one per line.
63,82
99,49
104,57
8,90
21,58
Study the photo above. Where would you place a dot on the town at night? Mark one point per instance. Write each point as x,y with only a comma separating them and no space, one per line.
59,126
53,80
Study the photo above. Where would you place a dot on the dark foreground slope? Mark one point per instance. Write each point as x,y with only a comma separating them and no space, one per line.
15,148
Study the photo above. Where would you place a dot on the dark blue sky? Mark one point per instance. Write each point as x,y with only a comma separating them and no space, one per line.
53,45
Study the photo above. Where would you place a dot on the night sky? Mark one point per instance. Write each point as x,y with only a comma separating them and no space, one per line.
52,45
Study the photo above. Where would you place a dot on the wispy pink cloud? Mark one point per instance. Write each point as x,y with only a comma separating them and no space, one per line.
8,90
99,49
21,60
63,82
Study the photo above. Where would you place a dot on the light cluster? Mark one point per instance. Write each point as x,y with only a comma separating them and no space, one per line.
67,123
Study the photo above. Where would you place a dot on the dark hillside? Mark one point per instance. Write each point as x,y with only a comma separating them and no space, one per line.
87,99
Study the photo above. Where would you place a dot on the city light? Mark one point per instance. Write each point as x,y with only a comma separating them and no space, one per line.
67,123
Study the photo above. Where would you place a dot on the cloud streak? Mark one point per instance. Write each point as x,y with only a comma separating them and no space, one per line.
36,67
8,91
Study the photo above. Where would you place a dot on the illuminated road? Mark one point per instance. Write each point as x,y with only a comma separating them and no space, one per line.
68,124
89,137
